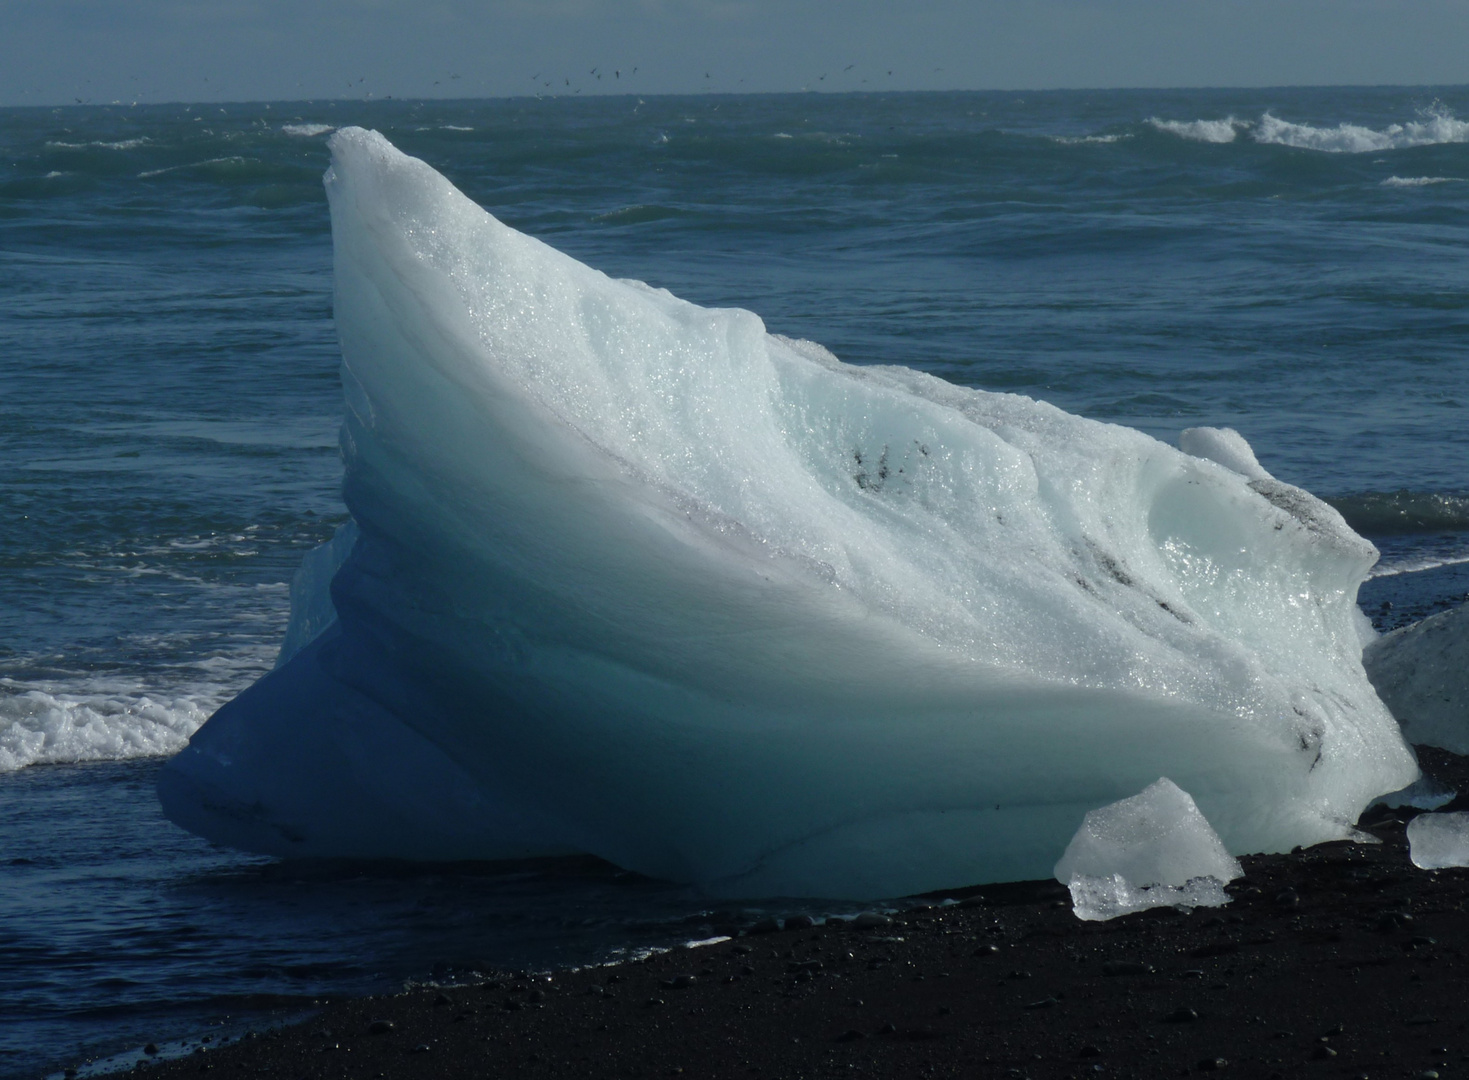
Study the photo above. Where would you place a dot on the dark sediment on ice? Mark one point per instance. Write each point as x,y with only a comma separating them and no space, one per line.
1341,960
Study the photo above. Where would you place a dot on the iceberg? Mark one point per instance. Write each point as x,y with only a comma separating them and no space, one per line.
1422,674
1152,850
636,578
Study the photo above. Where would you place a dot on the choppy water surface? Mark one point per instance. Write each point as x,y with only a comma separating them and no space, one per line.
1290,263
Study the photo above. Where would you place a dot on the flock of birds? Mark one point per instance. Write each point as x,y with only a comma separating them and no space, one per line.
547,85
550,85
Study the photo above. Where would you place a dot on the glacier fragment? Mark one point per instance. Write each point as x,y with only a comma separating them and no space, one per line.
1422,674
1436,841
1152,850
636,578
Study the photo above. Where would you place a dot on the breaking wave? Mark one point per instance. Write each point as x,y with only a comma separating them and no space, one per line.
1396,512
1210,131
42,724
1420,181
1435,125
307,130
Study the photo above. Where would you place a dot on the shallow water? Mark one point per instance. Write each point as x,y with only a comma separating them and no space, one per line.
169,401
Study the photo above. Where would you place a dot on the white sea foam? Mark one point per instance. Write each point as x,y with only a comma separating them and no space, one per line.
1416,563
454,127
233,159
1435,125
47,724
1210,131
307,130
1420,181
1350,138
639,579
1073,140
119,144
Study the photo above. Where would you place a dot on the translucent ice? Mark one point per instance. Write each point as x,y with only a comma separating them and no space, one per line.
1152,850
1224,445
311,598
1422,673
636,578
1439,840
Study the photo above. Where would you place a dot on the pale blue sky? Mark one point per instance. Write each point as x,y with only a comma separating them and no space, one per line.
54,51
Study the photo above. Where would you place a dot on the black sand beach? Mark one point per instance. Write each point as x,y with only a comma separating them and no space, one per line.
1340,960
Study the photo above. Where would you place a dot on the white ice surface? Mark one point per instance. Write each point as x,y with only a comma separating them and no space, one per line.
1421,672
1225,446
648,582
1439,840
1152,850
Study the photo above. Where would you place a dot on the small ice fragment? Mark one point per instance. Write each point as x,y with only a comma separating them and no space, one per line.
1439,840
1154,849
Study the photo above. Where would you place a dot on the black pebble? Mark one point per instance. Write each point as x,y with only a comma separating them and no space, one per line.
1181,1015
1125,967
380,1027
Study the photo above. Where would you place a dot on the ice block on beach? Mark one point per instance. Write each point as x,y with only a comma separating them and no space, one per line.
638,578
1151,850
1422,674
1436,841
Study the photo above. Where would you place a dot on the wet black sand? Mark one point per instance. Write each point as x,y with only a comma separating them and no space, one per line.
1341,960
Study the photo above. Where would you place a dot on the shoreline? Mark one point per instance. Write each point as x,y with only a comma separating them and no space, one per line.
1343,959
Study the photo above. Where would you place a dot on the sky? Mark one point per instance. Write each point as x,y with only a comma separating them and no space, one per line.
96,51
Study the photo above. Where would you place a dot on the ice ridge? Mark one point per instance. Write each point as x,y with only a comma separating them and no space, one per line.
636,578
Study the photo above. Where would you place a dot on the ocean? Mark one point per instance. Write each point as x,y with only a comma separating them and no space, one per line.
1292,263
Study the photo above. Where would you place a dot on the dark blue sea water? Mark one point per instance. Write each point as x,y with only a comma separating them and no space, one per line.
1291,263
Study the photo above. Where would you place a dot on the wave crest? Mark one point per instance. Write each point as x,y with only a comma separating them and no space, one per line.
1387,513
42,726
1420,181
1435,125
1210,131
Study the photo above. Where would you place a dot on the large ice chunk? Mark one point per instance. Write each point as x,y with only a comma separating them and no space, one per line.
653,584
1422,673
1439,840
1152,850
